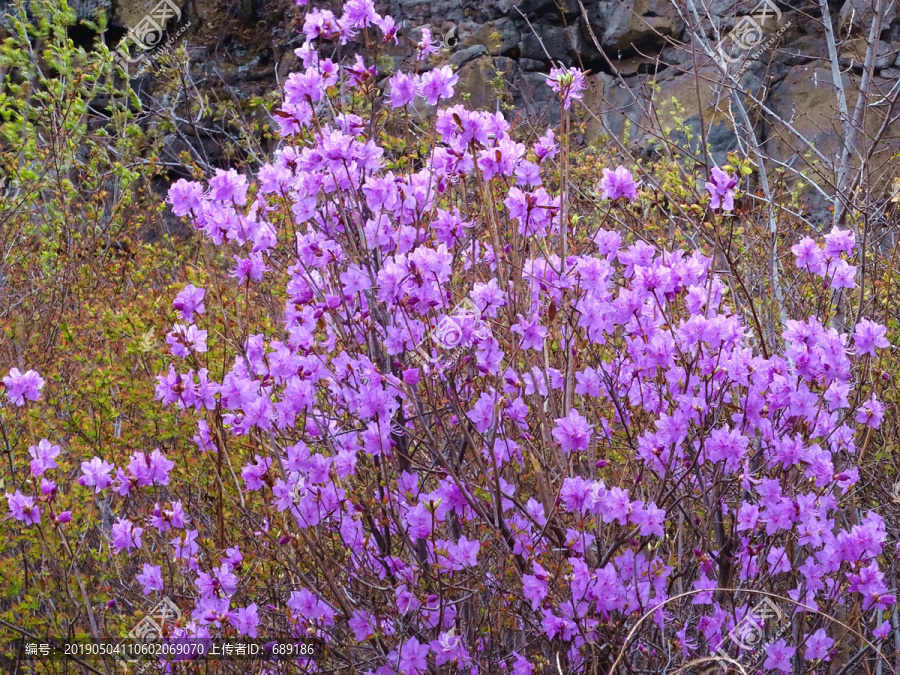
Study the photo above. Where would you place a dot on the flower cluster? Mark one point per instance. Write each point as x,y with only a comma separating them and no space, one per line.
521,504
826,261
370,288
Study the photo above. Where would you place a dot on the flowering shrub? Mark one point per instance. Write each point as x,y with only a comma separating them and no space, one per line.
609,473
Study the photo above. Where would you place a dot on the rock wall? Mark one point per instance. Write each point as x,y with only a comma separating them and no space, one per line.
642,54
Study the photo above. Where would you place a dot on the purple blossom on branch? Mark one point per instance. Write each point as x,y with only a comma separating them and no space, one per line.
618,183
721,189
568,83
23,386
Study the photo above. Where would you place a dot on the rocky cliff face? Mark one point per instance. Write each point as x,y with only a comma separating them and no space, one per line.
656,65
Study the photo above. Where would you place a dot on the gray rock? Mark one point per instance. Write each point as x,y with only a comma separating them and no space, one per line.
676,56
624,26
554,39
613,104
753,78
498,37
853,54
538,9
861,13
581,43
476,83
534,97
806,97
531,64
463,56
798,48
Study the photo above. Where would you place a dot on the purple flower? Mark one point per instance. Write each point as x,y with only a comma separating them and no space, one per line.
575,493
21,387
426,46
706,585
184,339
870,583
232,557
546,146
125,536
532,333
778,656
869,336
362,623
482,413
568,83
229,186
253,473
727,444
438,84
521,666
169,387
245,620
159,466
308,605
651,519
882,631
842,274
48,489
809,256
837,394
151,578
573,433
248,268
185,545
839,241
618,183
185,196
871,413
22,507
43,455
360,13
420,520
320,23
448,648
413,657
535,586
221,583
555,625
464,552
190,300
721,188
165,519
748,516
96,474
403,89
